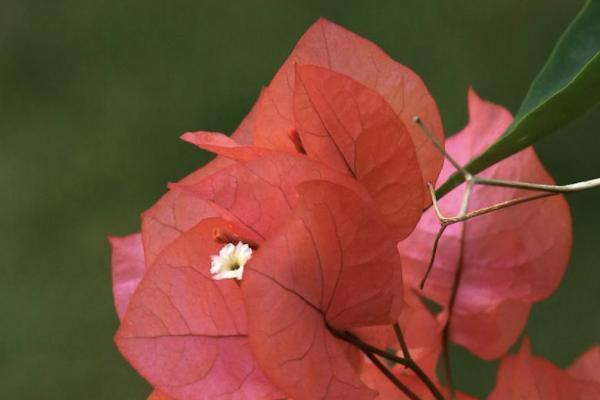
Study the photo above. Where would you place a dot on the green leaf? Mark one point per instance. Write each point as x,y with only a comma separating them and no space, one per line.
566,87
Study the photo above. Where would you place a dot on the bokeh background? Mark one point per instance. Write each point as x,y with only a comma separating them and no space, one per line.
93,98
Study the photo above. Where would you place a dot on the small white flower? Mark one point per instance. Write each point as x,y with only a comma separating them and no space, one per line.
229,264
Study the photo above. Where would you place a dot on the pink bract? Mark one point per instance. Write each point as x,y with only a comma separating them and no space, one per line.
324,236
509,258
525,376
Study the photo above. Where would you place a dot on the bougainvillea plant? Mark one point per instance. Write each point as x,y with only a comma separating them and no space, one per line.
302,262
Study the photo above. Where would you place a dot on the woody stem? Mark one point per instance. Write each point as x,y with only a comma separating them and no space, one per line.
471,180
409,393
464,214
405,361
570,188
540,187
413,365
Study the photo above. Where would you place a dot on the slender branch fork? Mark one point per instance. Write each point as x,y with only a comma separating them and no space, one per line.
371,352
472,180
413,365
464,214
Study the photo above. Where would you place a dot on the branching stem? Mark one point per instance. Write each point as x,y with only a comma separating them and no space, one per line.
413,365
401,341
464,214
573,187
540,187
436,242
405,361
350,338
472,180
393,378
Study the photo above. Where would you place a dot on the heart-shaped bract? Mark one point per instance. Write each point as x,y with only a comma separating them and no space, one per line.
350,127
329,45
333,265
187,333
525,376
509,258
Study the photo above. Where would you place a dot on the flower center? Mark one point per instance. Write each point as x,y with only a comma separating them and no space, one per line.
229,263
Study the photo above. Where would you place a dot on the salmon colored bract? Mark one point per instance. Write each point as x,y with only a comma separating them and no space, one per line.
287,265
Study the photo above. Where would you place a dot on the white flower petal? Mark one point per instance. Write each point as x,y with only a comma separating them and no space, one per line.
229,263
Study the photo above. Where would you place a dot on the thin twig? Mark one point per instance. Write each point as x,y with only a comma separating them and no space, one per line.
540,187
447,363
447,221
471,180
393,378
436,242
464,205
435,203
439,146
366,347
350,338
481,211
464,214
498,206
413,365
573,187
402,342
446,331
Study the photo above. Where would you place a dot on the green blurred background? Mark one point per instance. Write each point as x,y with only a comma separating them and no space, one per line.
93,98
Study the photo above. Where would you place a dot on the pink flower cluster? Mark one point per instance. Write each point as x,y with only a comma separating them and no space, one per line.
325,180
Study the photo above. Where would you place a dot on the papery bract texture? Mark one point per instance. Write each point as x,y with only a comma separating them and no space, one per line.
489,331
525,376
321,179
388,391
328,45
351,128
261,193
422,333
185,332
587,366
225,146
127,268
333,265
509,258
420,328
178,211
